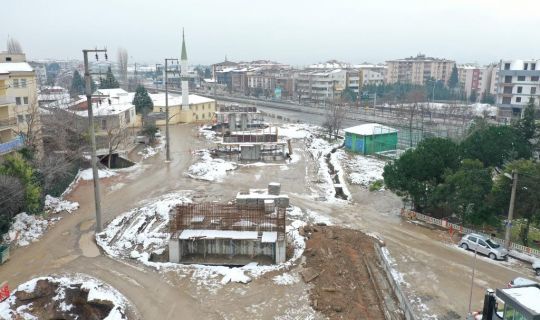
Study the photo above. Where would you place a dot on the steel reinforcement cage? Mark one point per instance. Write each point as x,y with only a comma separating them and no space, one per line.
216,216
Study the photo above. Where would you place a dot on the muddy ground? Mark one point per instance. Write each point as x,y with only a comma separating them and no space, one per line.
341,264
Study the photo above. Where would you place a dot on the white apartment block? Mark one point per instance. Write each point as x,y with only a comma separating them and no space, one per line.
417,70
518,81
320,86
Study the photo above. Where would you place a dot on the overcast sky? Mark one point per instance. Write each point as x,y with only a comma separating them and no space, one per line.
297,32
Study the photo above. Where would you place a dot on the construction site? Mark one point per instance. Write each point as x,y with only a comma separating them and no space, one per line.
246,137
250,230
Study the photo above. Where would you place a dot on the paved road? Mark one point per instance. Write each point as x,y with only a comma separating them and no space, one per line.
437,273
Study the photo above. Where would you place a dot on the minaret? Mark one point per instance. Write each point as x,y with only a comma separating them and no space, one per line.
184,75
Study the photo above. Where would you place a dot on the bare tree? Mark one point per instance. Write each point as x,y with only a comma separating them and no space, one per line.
123,64
116,136
13,46
335,114
31,128
13,193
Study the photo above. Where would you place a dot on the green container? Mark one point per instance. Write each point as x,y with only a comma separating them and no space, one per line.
4,253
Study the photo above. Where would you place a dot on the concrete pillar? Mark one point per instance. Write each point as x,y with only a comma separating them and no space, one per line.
174,250
232,121
243,121
281,249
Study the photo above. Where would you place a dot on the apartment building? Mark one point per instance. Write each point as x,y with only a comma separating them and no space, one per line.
321,85
417,70
472,78
9,138
518,81
21,86
371,74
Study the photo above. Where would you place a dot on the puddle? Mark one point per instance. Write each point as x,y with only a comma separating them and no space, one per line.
88,246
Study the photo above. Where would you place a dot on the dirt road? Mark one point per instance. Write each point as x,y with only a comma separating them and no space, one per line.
436,272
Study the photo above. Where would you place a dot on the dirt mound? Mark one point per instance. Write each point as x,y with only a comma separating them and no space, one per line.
342,266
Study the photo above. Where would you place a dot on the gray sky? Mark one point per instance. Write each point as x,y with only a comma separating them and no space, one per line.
297,32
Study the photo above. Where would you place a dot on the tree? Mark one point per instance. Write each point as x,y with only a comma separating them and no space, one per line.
453,81
465,192
348,95
473,97
527,124
494,145
13,46
207,73
12,197
122,65
77,85
488,98
416,173
115,137
527,202
142,101
16,166
334,119
109,82
149,130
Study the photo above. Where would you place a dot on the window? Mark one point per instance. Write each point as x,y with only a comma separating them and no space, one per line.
521,78
18,101
525,66
127,116
507,79
506,100
507,90
472,239
203,115
519,89
23,83
103,124
518,99
506,66
534,78
25,100
160,109
15,83
8,58
533,66
533,90
20,118
482,243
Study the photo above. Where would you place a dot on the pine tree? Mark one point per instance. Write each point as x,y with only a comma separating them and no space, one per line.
109,82
453,81
77,84
142,101
527,124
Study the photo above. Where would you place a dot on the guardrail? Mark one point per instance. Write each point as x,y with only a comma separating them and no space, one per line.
404,302
447,225
12,145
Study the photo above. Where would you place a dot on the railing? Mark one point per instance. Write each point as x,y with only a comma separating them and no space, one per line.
9,122
447,225
12,145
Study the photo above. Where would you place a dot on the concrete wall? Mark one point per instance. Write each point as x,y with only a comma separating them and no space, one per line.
174,251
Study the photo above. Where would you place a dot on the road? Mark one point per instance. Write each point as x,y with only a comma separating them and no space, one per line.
437,273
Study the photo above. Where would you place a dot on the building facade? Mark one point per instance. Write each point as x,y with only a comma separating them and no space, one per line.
200,110
417,70
518,81
320,86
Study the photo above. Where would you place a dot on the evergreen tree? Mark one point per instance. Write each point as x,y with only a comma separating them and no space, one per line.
454,80
207,73
109,82
527,124
473,97
77,84
142,101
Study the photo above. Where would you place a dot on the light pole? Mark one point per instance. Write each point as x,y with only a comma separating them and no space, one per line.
95,173
469,314
508,232
167,136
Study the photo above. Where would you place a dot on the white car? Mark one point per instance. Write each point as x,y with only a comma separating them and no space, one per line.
519,281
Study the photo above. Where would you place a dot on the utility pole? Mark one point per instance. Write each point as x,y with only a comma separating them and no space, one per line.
167,142
514,178
88,91
469,313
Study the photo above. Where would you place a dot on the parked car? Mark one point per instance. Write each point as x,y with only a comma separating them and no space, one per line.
536,266
483,245
158,133
519,281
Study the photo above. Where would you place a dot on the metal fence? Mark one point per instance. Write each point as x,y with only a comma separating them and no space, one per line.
447,225
15,144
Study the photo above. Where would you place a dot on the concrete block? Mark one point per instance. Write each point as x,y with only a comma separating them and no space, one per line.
174,250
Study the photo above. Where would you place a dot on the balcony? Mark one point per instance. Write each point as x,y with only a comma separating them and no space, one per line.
12,145
6,100
8,123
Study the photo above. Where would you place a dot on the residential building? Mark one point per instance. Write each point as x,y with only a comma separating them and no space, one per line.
472,78
417,70
9,138
22,87
518,81
222,67
321,85
371,74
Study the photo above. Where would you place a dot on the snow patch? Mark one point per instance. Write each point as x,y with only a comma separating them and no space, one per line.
26,229
286,279
56,205
87,174
210,169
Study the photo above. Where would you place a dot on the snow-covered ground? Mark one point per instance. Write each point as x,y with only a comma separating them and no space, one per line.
26,229
56,205
87,174
210,169
144,231
361,169
296,131
150,151
97,291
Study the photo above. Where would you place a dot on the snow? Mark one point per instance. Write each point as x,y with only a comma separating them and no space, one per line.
97,290
479,109
294,131
370,129
286,279
56,205
362,170
269,237
529,297
218,234
15,67
87,174
26,229
210,169
150,151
